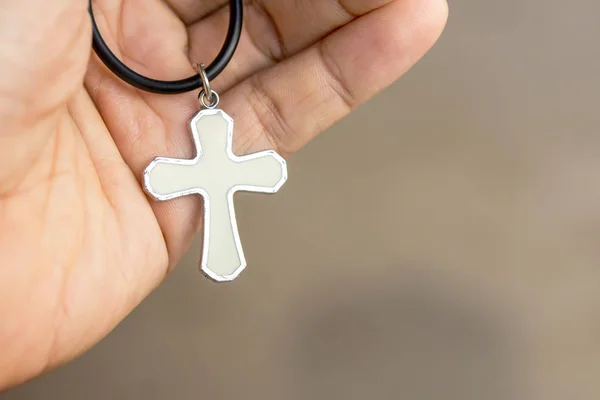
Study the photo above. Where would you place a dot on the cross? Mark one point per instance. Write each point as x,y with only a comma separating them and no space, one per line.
216,174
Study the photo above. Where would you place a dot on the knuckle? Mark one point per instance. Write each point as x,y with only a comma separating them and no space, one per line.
269,116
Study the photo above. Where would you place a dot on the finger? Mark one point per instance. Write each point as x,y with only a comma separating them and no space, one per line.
300,23
190,11
140,42
273,30
285,106
43,54
145,125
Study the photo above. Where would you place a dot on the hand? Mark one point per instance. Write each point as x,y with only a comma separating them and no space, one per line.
80,243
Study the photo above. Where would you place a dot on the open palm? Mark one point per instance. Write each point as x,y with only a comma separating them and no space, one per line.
80,243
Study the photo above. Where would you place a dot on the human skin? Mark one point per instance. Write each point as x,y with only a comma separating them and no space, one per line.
81,245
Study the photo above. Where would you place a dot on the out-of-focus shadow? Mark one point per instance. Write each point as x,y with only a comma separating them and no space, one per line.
418,339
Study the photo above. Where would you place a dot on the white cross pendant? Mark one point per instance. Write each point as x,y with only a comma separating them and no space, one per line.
216,174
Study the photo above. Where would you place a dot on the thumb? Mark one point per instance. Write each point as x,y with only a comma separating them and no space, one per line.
44,48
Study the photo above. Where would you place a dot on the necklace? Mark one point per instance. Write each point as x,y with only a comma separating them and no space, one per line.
215,172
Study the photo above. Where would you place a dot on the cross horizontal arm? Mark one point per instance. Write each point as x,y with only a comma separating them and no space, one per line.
262,172
169,178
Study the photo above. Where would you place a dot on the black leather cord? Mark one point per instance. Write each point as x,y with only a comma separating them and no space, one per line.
234,32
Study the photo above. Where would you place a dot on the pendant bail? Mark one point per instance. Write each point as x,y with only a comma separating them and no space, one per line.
207,104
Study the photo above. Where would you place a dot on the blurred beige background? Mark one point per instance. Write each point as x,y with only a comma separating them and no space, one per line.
441,243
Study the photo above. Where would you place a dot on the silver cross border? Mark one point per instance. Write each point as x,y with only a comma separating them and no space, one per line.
216,174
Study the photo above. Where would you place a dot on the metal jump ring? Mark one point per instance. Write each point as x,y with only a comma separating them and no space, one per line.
205,82
203,97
